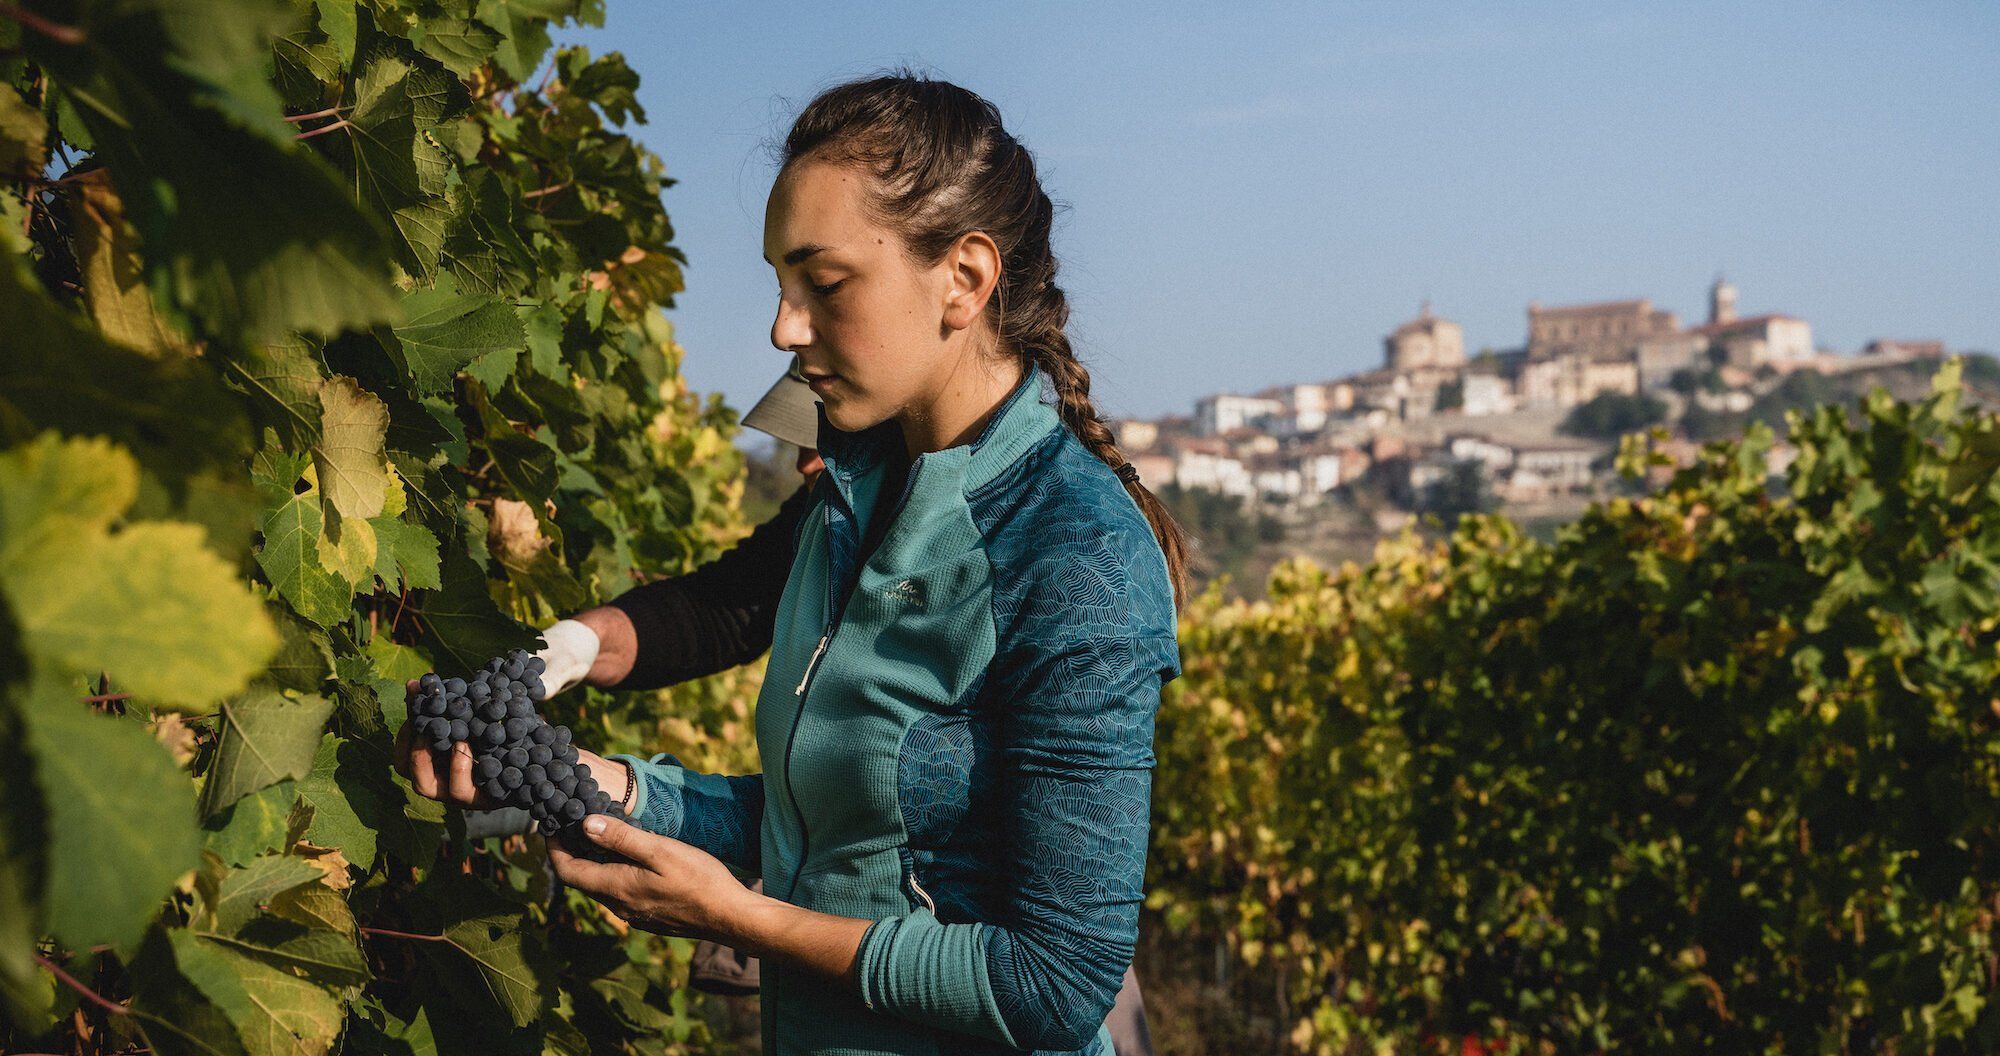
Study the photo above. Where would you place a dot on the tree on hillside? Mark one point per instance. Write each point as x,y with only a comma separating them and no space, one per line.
1609,415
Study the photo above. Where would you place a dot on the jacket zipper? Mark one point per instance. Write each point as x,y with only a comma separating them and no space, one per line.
921,893
812,666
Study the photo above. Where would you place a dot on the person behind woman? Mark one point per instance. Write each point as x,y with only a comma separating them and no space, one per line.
956,723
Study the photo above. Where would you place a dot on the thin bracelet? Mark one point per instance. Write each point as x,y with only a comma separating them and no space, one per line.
631,788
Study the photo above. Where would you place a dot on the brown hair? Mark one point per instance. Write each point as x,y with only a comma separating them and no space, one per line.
944,165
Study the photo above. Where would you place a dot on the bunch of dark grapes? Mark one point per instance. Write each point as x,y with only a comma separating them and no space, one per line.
517,758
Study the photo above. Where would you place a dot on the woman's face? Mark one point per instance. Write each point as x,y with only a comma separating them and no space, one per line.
868,326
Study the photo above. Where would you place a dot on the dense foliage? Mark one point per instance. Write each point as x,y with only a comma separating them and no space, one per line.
1609,415
332,355
1718,769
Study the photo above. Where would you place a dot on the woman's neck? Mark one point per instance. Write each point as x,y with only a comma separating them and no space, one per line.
963,405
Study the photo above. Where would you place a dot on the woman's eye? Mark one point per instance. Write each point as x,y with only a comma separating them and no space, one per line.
828,289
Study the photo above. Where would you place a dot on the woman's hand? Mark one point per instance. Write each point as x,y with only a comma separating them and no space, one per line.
448,777
658,884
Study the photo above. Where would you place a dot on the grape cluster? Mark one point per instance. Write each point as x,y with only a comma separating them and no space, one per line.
517,758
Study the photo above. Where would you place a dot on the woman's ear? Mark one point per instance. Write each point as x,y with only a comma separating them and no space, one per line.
973,270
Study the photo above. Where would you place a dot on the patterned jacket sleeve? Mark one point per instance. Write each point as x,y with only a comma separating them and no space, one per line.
720,814
1076,686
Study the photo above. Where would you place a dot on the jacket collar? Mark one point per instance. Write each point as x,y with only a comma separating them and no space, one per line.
1016,425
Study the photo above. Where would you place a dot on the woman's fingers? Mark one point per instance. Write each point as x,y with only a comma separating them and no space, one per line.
464,791
401,757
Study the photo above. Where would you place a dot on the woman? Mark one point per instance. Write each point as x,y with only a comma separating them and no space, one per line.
956,722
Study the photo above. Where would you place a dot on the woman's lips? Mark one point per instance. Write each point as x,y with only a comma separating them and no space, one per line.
819,382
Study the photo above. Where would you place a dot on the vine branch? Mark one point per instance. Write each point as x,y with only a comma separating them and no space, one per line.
55,31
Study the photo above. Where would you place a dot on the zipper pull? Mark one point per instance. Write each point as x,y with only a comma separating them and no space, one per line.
810,664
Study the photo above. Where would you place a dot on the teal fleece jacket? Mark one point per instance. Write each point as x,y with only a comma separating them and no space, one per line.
957,736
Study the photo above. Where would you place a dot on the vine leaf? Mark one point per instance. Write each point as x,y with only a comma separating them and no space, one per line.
151,604
265,739
348,457
290,558
239,223
115,848
447,331
114,283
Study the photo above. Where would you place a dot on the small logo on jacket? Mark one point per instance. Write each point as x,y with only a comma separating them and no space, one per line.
908,591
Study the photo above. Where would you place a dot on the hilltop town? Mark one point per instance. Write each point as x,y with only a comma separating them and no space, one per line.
1532,429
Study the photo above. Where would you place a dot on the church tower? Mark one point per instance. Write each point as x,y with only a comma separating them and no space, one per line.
1721,302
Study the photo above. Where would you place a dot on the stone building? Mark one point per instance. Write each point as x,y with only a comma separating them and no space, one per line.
1425,343
1612,328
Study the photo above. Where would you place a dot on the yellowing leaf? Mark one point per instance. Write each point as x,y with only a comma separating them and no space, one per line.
348,456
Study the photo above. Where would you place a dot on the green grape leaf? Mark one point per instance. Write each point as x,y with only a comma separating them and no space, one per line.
253,825
242,893
274,1011
151,604
59,373
263,739
282,381
406,555
172,978
462,44
116,847
305,657
392,100
241,225
290,558
513,969
462,626
448,330
523,25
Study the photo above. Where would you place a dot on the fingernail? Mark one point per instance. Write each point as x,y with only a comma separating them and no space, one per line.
594,824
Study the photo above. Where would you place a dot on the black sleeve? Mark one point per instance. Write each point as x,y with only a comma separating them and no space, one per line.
719,615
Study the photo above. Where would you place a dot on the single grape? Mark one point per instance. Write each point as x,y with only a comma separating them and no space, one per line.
567,783
518,728
538,810
458,730
574,810
517,757
556,769
536,689
496,735
487,767
534,772
494,664
561,735
600,802
512,669
522,796
455,685
585,785
545,792
540,754
441,746
510,778
543,734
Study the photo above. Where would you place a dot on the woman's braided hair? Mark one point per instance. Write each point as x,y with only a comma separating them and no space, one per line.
944,165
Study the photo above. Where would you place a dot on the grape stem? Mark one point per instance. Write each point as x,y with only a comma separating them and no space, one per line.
96,998
391,934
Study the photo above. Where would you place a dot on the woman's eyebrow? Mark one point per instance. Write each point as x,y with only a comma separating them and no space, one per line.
795,257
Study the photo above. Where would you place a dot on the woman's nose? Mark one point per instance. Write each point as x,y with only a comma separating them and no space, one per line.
791,330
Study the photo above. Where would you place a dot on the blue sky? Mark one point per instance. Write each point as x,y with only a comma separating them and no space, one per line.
1257,193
